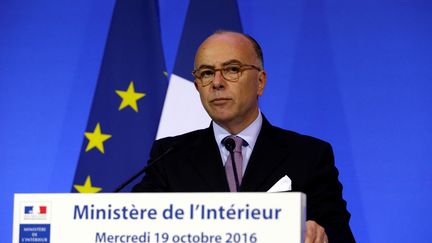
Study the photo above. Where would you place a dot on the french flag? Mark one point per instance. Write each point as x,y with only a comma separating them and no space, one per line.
182,100
30,210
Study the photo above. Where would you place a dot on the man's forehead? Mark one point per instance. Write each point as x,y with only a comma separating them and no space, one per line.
229,39
223,47
227,36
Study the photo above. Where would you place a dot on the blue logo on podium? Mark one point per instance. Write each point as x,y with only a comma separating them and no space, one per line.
34,233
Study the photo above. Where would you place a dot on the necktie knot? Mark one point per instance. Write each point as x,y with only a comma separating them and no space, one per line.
239,142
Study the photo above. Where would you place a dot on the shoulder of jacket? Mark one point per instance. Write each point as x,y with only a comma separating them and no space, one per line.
297,138
181,139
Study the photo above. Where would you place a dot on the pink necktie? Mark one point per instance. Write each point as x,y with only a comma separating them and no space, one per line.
238,157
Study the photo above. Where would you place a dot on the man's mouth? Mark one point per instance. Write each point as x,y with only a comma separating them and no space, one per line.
220,101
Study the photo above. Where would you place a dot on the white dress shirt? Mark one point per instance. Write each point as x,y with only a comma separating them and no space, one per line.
249,134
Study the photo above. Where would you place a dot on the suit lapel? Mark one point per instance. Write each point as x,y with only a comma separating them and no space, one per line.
207,162
266,157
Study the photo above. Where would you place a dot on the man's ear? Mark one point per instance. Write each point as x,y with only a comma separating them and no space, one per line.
262,80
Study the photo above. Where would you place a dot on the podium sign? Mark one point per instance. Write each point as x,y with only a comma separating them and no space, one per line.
160,217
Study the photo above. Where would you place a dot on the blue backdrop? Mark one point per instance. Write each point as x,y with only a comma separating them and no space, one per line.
355,73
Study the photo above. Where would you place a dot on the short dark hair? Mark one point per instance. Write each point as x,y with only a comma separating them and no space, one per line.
255,44
257,48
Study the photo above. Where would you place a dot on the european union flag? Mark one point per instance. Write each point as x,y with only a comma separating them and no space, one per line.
127,102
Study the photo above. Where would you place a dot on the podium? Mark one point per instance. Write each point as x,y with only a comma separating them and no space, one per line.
160,217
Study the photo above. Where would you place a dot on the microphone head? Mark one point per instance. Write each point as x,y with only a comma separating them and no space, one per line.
229,144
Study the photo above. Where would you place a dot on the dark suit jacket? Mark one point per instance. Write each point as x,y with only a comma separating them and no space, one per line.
194,165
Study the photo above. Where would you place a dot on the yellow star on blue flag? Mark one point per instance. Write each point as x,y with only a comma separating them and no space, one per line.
96,139
87,187
130,97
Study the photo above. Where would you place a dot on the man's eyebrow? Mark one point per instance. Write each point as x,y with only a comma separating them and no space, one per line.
205,66
232,61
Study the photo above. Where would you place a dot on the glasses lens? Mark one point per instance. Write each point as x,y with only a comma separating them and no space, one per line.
205,75
232,72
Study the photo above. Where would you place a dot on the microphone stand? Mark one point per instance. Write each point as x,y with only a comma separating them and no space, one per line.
149,165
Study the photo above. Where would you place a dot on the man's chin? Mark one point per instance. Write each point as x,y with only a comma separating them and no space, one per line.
229,123
222,119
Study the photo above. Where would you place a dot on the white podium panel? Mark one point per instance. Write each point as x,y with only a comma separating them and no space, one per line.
160,217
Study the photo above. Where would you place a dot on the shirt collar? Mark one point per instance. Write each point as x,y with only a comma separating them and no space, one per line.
249,134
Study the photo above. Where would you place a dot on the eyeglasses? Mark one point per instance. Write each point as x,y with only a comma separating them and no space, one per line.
230,72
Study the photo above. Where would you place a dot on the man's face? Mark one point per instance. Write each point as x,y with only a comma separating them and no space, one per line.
233,105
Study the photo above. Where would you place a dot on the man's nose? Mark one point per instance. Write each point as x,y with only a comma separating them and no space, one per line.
218,80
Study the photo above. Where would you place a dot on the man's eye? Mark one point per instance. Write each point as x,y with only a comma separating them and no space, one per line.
232,69
207,73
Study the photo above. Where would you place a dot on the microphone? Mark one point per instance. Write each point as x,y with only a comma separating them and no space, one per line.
229,144
150,164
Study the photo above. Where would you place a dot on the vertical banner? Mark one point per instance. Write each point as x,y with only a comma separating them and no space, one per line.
128,100
203,18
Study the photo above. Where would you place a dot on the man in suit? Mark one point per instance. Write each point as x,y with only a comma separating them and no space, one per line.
230,78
